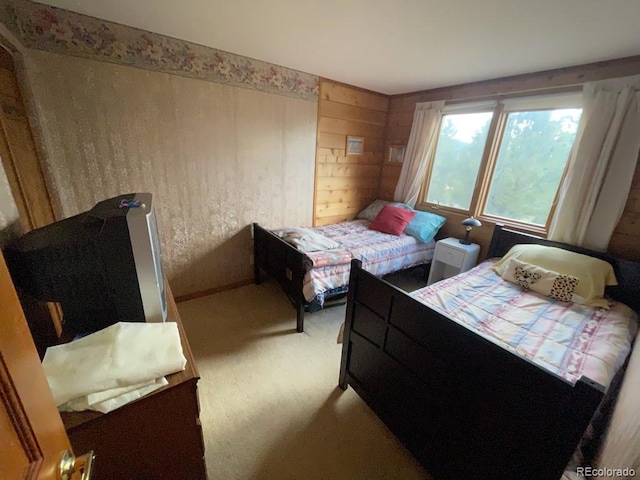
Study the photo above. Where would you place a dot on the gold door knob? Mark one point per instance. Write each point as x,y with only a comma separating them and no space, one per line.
75,468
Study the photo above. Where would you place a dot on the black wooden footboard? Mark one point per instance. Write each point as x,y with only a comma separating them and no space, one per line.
463,405
285,263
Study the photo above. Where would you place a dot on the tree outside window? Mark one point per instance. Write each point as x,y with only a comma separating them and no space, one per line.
505,164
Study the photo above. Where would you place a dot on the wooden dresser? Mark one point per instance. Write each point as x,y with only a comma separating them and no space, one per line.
156,437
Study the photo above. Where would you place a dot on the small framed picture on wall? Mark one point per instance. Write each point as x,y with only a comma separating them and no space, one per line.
396,153
355,145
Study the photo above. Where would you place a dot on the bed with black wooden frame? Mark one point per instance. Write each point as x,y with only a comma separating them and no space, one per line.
286,264
466,407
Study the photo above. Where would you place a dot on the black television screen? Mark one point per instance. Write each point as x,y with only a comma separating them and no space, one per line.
103,266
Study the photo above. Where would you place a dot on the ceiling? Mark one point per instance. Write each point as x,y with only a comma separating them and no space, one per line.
393,46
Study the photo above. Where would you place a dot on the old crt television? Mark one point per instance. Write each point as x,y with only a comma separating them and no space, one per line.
102,266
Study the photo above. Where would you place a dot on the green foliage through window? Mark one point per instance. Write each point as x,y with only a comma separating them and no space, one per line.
531,158
457,159
533,154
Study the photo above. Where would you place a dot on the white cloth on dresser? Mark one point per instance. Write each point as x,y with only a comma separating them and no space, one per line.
109,400
120,363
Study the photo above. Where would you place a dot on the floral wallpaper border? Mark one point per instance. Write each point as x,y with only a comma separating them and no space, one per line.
61,31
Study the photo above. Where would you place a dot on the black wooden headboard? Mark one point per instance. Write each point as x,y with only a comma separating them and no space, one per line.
627,271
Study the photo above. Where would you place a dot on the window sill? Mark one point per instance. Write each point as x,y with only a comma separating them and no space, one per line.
487,220
531,229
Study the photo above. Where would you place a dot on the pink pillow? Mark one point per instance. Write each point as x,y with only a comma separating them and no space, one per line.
392,220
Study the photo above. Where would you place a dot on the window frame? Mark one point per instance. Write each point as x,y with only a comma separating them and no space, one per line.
474,108
488,162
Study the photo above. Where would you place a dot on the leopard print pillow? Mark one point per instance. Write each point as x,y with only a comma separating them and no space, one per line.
526,278
563,288
552,284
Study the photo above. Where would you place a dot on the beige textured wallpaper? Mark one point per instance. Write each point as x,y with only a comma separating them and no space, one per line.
216,157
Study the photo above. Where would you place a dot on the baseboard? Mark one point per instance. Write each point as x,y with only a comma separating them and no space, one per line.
211,291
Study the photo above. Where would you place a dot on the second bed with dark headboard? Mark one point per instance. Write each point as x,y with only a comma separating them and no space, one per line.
464,404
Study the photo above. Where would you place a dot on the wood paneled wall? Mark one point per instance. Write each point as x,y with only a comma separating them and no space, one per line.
344,185
626,238
399,121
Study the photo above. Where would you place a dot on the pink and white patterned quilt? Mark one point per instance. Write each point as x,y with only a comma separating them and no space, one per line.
379,252
568,339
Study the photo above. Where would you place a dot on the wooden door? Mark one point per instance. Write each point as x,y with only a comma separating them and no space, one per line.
32,436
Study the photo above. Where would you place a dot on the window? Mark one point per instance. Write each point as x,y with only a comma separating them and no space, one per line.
504,161
457,159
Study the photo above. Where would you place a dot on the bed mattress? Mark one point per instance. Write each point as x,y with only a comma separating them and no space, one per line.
567,339
379,252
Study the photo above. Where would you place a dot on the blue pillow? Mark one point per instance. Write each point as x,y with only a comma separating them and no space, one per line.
424,226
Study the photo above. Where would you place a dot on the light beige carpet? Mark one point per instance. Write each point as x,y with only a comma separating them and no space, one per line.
270,404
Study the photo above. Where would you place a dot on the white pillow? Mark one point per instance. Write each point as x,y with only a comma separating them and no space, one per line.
593,274
305,239
547,282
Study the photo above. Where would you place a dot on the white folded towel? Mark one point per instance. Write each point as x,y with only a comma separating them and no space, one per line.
122,355
111,399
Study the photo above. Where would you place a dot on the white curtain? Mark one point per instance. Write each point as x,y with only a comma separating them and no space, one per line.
601,167
422,141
